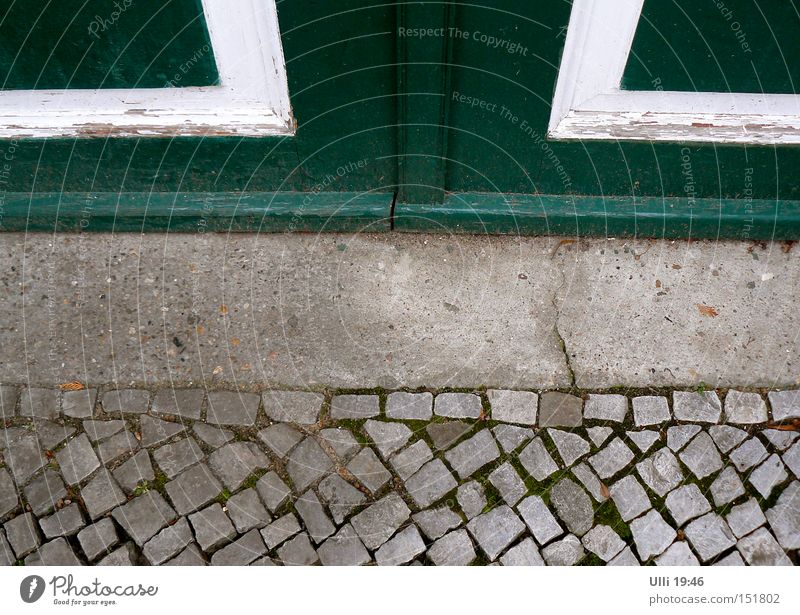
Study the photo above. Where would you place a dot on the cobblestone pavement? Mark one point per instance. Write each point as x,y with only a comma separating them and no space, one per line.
188,477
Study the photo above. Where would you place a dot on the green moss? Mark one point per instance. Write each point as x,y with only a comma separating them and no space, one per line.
607,514
223,497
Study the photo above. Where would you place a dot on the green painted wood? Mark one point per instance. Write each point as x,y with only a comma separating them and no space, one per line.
716,46
581,216
424,62
197,212
104,44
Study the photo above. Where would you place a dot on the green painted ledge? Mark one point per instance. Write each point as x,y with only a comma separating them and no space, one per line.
196,211
668,217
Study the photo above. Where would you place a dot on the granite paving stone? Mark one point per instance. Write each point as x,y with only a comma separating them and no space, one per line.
457,405
79,404
45,492
23,454
280,530
57,552
307,464
571,446
66,522
232,408
471,498
144,516
560,410
745,518
9,500
780,439
138,470
212,528
679,436
155,431
9,396
444,435
727,486
590,481
743,408
169,542
748,455
116,447
792,459
102,494
651,534
511,437
409,406
280,438
565,552
40,402
678,554
661,472
101,430
247,512
453,549
298,552
77,460
436,522
122,556
343,549
518,407
212,436
604,542
22,534
598,435
761,549
273,491
98,539
495,530
692,407
645,439
172,459
369,470
343,443
537,461
541,522
768,475
732,559
401,548
190,556
625,558
784,517
193,489
379,521
612,459
300,407
126,401
686,503
314,517
573,506
472,454
236,462
506,480
387,437
701,456
430,483
727,437
603,407
410,459
650,410
341,497
355,406
709,536
240,552
523,554
785,405
51,433
629,497
184,403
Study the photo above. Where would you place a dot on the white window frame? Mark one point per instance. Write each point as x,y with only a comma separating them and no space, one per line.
252,98
589,104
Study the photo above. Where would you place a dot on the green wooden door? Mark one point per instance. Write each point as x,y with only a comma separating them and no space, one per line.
419,115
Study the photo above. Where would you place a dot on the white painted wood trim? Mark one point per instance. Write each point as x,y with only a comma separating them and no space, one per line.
589,104
252,98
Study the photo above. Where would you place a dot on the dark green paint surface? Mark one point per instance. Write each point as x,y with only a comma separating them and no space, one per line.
91,44
716,46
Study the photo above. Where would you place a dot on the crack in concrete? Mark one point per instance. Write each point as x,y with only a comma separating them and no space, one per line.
562,342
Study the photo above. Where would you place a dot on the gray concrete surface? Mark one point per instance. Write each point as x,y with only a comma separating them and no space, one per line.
396,310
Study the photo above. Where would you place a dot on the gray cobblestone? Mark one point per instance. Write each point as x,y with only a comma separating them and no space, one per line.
273,491
457,405
612,459
571,447
22,534
726,487
511,437
761,549
299,407
55,553
541,522
604,542
678,554
340,496
409,406
77,460
785,405
134,472
8,494
280,530
471,498
298,552
523,554
454,549
768,475
472,454
537,461
606,408
696,407
247,512
79,404
748,455
784,517
116,447
343,443
629,497
236,462
126,401
241,552
98,539
212,528
280,438
44,492
212,436
343,549
745,518
101,430
513,406
506,480
565,552
686,503
168,542
680,435
401,548
573,506
645,439
232,408
661,472
560,410
387,437
155,431
369,470
307,464
41,403
495,530
650,410
598,435
590,481
379,521
144,516
727,437
745,408
193,489
431,482
312,512
66,522
102,494
354,406
651,534
701,456
444,435
412,458
184,403
174,458
709,536
436,522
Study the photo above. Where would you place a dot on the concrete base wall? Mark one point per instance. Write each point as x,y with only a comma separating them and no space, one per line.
397,310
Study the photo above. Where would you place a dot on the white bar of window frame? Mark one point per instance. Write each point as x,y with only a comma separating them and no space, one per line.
252,98
588,103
